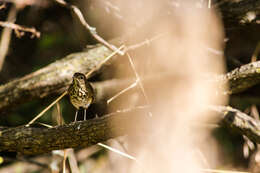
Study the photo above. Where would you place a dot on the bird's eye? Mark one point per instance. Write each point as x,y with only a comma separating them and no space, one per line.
81,77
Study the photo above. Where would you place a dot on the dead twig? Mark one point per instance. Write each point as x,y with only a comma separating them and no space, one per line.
139,81
121,92
6,36
91,29
20,29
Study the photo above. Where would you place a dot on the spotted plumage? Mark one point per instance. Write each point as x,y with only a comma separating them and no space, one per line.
81,93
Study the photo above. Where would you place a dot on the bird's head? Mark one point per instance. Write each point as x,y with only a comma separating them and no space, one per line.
79,78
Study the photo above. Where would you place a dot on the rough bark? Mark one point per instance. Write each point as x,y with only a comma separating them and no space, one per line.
235,12
31,140
240,121
242,78
51,79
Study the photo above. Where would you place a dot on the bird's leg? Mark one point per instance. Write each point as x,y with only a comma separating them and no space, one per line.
85,114
76,115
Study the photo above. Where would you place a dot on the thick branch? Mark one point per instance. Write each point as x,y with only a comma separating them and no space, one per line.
242,78
240,121
31,141
235,11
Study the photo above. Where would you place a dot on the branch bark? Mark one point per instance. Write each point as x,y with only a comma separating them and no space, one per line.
240,121
32,141
242,78
235,11
52,79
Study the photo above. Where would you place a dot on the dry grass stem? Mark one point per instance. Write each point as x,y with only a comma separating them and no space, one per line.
46,109
139,81
117,151
105,60
122,91
64,161
146,42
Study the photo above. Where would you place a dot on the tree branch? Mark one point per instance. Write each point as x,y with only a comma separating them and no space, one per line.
242,78
31,140
235,11
52,79
240,121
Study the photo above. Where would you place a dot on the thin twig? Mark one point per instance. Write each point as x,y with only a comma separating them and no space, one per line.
46,109
19,28
59,118
139,81
132,85
91,29
117,151
104,61
64,161
256,52
45,125
122,91
146,42
6,36
72,161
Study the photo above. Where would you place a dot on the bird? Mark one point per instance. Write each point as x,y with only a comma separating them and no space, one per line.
81,93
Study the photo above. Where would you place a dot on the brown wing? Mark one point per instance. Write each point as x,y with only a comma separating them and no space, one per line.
91,90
